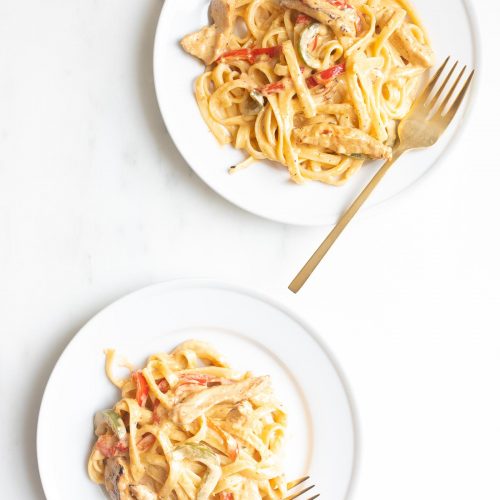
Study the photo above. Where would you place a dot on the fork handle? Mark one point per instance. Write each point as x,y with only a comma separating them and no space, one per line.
322,250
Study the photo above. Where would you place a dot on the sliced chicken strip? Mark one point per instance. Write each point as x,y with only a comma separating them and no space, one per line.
404,39
204,44
210,43
117,479
199,403
342,20
342,140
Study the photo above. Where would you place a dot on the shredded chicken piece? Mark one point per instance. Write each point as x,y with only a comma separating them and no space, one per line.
184,390
199,403
204,44
342,140
342,20
209,43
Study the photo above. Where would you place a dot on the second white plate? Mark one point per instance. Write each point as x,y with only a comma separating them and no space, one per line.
263,189
253,333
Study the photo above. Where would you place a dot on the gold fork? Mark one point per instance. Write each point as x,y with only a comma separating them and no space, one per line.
293,484
421,128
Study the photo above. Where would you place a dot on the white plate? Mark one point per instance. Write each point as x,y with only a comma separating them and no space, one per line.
265,190
251,331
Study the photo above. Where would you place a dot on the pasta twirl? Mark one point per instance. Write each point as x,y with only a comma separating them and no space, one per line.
276,70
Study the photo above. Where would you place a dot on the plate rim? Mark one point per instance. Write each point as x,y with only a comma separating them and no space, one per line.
199,283
332,219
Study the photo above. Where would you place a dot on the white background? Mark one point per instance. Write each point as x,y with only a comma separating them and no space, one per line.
95,202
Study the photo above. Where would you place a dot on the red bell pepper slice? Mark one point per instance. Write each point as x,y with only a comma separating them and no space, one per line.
341,4
272,88
142,389
303,19
251,55
324,76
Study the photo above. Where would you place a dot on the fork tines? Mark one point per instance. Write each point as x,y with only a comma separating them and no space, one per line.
436,110
293,484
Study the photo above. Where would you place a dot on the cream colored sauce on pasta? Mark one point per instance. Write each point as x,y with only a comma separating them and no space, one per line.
199,418
383,65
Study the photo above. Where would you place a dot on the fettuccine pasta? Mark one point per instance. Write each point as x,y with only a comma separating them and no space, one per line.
189,427
316,85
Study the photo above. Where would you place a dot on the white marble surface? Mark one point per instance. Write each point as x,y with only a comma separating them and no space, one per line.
95,202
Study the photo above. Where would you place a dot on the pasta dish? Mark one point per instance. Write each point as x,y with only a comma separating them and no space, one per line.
189,427
316,85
